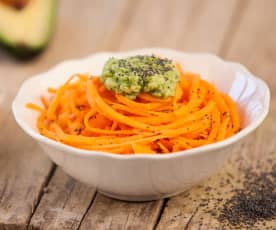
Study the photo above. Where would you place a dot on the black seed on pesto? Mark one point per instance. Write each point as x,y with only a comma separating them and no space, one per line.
148,68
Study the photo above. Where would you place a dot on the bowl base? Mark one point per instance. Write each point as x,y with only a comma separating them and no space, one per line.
140,198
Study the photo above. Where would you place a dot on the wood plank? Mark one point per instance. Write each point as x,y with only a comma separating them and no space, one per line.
199,207
64,203
84,25
121,215
193,209
23,168
180,24
23,172
254,43
143,29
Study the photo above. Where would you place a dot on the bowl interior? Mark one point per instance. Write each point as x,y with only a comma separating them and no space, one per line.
250,93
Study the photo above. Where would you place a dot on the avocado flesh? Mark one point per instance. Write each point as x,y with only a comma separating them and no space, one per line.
27,31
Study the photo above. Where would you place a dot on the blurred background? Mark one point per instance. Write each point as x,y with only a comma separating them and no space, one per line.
83,27
240,30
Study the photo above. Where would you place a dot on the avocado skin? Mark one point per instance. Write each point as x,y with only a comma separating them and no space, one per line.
23,51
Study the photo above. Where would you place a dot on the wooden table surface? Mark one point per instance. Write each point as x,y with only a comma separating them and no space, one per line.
37,194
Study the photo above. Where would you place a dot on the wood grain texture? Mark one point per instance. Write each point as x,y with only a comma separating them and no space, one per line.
254,42
180,24
199,207
193,209
23,168
20,184
107,213
65,202
243,31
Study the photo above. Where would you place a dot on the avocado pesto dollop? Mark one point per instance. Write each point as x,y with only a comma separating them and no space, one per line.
141,73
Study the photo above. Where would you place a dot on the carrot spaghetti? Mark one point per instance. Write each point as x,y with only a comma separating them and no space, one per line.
84,114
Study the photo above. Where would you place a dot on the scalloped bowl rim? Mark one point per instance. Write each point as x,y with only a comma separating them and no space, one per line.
194,151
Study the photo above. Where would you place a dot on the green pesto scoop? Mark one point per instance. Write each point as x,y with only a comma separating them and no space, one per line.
142,73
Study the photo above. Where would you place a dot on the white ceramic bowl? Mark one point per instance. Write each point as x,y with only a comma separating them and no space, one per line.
147,177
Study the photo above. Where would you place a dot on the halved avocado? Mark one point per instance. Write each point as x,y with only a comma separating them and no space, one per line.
26,25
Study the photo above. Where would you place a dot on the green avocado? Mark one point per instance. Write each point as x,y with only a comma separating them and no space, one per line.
26,31
141,73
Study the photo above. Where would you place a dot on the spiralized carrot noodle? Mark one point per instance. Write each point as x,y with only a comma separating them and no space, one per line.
84,114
